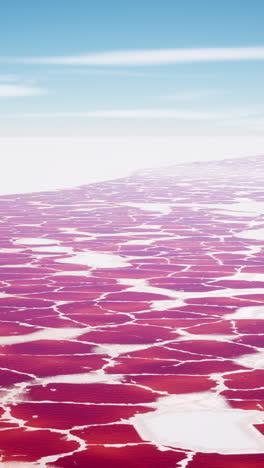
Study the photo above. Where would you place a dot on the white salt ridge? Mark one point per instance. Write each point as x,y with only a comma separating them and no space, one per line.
193,337
139,242
35,241
94,235
245,207
228,292
96,260
72,273
46,334
163,208
13,464
247,204
247,313
11,251
151,241
201,422
148,226
237,214
242,277
140,285
252,361
166,305
256,234
2,294
118,349
53,249
85,378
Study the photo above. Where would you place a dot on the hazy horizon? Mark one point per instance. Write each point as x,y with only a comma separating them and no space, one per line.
39,164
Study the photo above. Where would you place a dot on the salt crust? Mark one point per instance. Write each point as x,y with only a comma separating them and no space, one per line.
247,313
201,422
35,241
45,334
96,260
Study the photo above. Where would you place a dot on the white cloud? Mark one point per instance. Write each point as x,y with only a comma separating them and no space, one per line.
101,72
126,114
191,95
8,78
149,57
10,90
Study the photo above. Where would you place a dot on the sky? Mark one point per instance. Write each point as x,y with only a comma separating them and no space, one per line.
131,68
89,90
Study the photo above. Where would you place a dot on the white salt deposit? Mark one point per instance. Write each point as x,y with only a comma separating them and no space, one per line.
141,285
139,242
115,350
163,208
85,378
72,273
237,214
244,277
35,241
53,249
11,251
96,260
253,361
247,313
201,422
194,337
13,464
257,234
45,334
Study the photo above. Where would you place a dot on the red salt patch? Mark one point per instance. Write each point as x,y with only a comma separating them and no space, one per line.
223,327
66,416
252,340
246,380
136,296
28,446
210,460
91,393
130,334
245,394
43,366
250,326
23,302
100,320
174,384
87,307
48,347
67,296
129,457
207,367
247,404
238,301
124,306
260,428
110,434
213,348
8,378
143,366
11,329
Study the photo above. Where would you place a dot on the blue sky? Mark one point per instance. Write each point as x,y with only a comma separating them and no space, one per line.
60,75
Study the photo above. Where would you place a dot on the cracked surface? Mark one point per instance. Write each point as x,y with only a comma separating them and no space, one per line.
132,321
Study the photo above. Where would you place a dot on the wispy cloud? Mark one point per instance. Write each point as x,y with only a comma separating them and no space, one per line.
127,114
101,72
148,57
191,95
8,78
11,90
